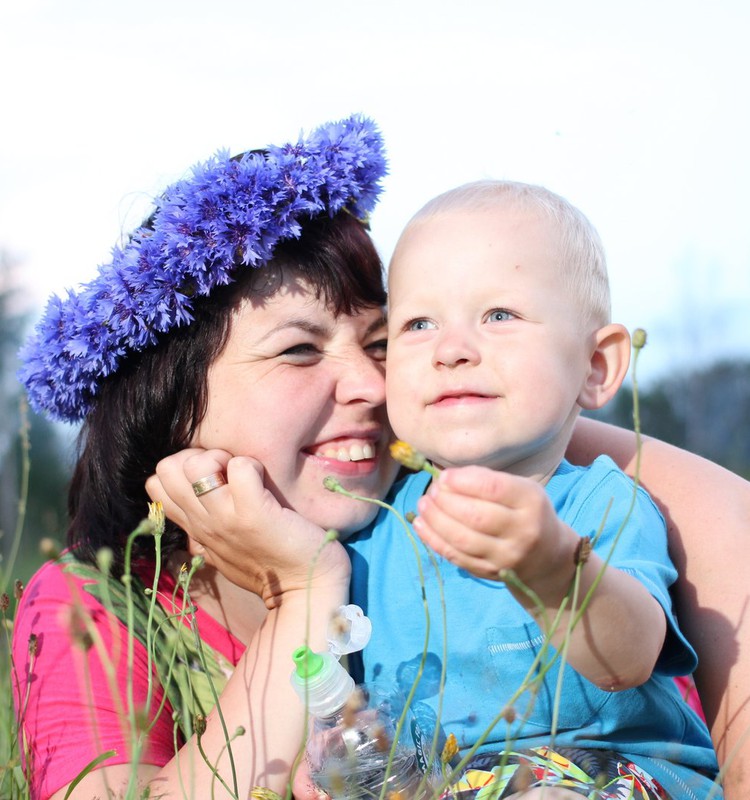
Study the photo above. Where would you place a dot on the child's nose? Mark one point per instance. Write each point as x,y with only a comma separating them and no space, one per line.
454,348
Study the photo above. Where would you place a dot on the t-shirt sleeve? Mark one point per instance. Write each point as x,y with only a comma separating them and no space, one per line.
70,709
630,531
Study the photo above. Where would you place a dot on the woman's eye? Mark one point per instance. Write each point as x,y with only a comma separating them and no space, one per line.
499,315
302,349
420,325
378,349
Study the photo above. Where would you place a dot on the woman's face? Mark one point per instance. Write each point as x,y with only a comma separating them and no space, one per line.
303,391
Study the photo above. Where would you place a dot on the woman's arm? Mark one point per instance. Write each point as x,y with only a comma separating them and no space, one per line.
707,509
301,579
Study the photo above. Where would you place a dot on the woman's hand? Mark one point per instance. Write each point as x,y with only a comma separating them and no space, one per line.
241,529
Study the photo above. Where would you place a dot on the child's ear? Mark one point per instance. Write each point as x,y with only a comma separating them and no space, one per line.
610,359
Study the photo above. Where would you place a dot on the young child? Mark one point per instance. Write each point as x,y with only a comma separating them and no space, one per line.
499,335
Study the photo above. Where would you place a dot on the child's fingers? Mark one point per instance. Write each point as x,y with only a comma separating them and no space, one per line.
487,565
464,522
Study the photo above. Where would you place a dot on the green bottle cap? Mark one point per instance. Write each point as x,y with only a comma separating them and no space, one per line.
308,664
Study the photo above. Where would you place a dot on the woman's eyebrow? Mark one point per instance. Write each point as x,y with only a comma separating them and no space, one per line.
378,323
297,323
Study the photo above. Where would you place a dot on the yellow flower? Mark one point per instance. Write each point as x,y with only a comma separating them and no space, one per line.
260,793
407,456
156,516
450,749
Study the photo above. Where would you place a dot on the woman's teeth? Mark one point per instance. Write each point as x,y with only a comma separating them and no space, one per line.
355,452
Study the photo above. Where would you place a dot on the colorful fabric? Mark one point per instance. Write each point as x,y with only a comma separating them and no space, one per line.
595,774
494,646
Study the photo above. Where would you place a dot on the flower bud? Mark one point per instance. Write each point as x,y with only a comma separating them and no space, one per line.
639,338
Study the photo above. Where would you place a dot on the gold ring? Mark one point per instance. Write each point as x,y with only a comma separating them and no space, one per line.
209,483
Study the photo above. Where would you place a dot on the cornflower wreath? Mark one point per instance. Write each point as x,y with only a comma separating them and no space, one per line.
228,213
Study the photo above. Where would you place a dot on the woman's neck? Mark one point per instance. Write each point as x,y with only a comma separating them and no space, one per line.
241,612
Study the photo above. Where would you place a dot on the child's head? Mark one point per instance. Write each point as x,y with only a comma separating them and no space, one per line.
498,328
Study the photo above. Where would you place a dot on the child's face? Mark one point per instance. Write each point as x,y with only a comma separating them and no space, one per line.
486,348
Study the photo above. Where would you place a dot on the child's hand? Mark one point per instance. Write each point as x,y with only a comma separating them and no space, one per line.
487,521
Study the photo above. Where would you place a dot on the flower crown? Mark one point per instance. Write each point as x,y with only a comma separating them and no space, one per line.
228,213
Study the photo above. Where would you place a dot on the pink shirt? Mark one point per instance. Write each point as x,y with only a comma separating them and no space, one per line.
70,710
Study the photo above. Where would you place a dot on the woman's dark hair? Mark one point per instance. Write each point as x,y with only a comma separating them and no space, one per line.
152,406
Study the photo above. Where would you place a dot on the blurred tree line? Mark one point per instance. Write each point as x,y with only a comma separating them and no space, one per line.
706,411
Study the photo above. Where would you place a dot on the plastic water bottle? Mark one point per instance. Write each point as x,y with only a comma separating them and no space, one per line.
350,751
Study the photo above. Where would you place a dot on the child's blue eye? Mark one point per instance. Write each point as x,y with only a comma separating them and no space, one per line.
499,315
420,325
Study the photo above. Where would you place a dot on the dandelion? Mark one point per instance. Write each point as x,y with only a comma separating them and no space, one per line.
410,458
156,516
450,749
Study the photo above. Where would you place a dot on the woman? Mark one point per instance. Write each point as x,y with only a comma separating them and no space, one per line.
283,361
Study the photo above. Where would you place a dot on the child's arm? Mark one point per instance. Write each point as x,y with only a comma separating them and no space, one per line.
707,509
486,521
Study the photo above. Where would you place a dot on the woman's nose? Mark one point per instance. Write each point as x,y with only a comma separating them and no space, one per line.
362,379
455,347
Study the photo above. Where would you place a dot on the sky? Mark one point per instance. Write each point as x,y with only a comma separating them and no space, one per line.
637,112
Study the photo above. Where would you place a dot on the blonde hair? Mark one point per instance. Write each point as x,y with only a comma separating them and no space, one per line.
581,251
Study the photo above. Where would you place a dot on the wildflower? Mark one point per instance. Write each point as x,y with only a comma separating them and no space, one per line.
33,644
410,458
639,339
261,793
410,516
199,723
450,748
78,631
4,602
331,484
104,558
156,516
509,714
18,590
49,548
407,456
197,562
583,551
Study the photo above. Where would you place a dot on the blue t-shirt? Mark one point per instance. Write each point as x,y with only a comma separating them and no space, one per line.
492,641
